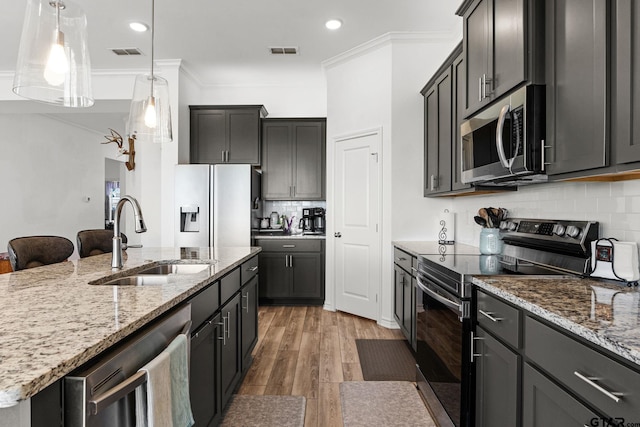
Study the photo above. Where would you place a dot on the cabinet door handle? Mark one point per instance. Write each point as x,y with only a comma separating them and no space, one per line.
224,336
473,353
229,324
479,89
401,258
294,191
252,269
247,297
222,154
291,261
288,246
434,182
490,316
592,382
286,261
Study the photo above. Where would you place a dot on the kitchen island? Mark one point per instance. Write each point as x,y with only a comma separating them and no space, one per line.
56,318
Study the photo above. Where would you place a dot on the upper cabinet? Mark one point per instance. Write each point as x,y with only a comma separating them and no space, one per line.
497,49
293,159
626,84
226,134
576,78
438,128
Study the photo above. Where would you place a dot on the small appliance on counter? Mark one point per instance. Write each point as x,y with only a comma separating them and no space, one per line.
312,221
615,260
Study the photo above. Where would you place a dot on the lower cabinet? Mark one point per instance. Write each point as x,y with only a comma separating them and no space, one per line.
404,298
497,382
204,384
532,373
230,363
249,321
545,404
221,343
292,271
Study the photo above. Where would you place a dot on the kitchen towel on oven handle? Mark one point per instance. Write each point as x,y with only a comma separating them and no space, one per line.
611,259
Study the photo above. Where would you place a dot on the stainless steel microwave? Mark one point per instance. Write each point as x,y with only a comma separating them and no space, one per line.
504,143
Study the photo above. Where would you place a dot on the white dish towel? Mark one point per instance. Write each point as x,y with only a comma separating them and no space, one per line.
163,401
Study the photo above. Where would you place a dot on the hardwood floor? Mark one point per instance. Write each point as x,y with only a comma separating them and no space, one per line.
307,351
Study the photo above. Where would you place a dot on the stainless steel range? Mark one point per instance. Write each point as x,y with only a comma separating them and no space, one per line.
444,302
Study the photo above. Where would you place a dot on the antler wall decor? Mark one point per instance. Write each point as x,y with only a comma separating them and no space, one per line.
115,137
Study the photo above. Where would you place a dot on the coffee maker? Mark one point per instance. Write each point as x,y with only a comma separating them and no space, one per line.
318,220
312,221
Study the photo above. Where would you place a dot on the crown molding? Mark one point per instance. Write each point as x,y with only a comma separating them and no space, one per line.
392,38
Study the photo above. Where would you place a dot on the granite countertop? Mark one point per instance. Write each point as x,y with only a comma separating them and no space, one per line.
416,248
603,312
52,321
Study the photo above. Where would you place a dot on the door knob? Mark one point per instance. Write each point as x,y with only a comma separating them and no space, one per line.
338,234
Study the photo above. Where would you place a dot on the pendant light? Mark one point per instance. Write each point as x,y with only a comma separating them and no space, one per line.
150,115
53,59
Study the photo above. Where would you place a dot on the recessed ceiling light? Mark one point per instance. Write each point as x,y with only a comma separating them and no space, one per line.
139,27
333,24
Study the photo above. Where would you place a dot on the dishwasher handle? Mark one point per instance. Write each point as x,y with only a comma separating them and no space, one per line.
125,387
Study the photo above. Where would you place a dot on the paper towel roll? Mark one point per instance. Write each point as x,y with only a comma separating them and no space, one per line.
446,228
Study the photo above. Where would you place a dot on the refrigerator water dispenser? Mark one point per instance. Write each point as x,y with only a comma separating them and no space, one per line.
189,218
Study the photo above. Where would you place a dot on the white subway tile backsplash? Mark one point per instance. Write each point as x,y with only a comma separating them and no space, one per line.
616,205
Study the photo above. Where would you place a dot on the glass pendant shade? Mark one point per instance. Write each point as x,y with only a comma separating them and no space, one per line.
150,114
53,59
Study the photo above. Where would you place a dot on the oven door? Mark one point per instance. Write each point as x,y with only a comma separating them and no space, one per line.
443,353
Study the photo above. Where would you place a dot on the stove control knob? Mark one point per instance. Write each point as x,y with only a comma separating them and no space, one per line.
512,226
573,231
559,229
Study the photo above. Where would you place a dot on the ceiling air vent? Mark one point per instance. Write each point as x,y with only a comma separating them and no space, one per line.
126,51
278,50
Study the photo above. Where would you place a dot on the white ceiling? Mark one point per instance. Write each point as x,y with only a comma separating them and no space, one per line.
225,42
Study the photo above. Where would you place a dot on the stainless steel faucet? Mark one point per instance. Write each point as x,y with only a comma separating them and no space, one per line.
116,257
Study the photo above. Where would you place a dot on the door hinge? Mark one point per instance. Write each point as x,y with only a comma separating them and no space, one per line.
376,228
375,154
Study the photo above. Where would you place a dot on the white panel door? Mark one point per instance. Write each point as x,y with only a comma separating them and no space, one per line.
357,242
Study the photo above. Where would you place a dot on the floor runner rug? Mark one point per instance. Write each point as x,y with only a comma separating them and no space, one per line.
383,403
265,411
386,360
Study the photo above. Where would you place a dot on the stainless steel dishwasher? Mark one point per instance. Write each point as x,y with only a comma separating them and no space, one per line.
101,395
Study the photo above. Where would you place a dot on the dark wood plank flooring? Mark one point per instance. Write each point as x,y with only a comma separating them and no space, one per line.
308,351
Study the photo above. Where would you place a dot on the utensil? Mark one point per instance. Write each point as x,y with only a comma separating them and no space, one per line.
480,221
482,212
493,216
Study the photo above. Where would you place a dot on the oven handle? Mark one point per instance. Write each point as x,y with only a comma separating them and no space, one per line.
499,142
438,297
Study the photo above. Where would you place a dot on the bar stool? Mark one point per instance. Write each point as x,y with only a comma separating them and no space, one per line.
35,251
96,242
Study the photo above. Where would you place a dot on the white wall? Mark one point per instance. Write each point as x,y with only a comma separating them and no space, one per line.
48,170
378,86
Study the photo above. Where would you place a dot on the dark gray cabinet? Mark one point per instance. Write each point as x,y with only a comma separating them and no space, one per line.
222,340
576,77
497,382
204,384
495,49
225,134
249,320
545,404
458,77
293,159
230,363
291,271
626,81
404,301
438,133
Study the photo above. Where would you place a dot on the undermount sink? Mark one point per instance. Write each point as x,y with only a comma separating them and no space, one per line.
156,275
166,269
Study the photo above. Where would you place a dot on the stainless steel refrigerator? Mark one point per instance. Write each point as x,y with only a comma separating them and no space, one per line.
216,205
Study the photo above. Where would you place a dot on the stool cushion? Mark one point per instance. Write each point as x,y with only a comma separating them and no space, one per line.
34,251
96,242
